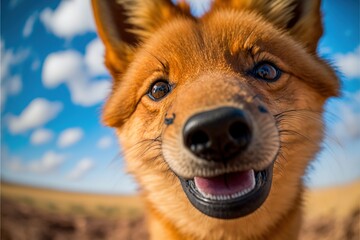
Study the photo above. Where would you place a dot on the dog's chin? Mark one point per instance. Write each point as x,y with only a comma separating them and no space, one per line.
230,195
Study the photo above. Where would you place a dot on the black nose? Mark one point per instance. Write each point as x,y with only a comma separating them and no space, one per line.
217,135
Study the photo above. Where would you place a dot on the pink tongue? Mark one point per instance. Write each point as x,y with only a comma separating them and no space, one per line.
226,184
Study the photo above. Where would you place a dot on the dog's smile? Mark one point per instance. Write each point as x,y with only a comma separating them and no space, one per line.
229,195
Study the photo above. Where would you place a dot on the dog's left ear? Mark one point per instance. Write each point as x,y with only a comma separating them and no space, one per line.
301,18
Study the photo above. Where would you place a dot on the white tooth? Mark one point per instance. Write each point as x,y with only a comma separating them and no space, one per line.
234,195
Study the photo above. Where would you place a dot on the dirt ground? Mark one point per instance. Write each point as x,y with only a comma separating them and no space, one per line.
327,228
336,219
22,222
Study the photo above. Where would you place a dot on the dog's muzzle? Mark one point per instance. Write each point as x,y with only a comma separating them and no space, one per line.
222,135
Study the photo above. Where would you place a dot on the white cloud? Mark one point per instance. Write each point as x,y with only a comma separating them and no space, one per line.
41,136
10,85
349,63
69,137
10,58
29,25
53,71
48,163
13,85
69,19
36,114
81,169
94,57
89,93
347,128
105,142
77,77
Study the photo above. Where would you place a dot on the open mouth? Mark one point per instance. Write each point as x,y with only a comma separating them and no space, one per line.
230,195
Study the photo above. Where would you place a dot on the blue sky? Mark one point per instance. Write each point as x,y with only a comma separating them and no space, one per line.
53,83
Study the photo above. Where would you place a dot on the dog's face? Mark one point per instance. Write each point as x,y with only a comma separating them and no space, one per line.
219,116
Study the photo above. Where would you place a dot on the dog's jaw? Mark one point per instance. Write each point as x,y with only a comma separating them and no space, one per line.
229,196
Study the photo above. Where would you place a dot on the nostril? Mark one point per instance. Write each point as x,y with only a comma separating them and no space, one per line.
198,138
240,133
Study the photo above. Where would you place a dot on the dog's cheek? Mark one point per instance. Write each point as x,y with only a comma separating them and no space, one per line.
139,139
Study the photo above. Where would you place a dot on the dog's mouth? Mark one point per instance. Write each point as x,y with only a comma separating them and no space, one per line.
230,195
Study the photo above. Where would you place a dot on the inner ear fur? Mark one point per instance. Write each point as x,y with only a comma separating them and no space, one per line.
124,24
300,18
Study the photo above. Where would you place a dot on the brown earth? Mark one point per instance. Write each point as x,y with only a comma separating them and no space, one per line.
32,213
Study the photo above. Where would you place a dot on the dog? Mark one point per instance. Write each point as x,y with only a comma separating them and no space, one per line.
218,115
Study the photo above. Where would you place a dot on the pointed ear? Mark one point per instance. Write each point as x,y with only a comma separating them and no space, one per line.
124,24
301,18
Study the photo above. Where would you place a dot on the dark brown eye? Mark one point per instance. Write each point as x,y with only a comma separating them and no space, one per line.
267,71
159,90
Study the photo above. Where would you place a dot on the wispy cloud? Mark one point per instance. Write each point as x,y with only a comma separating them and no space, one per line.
10,84
105,142
349,63
13,85
79,72
48,163
15,3
41,136
81,169
29,25
347,127
69,137
94,58
36,114
69,19
9,58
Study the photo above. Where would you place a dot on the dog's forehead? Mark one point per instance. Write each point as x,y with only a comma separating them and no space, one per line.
226,41
211,40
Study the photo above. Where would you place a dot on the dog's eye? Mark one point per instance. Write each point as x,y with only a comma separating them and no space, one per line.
159,90
267,71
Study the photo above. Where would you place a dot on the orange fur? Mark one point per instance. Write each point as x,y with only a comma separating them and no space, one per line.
207,59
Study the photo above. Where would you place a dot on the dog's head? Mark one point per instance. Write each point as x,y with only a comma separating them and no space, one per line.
215,110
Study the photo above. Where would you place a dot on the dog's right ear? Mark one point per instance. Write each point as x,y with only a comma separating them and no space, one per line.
124,24
112,28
